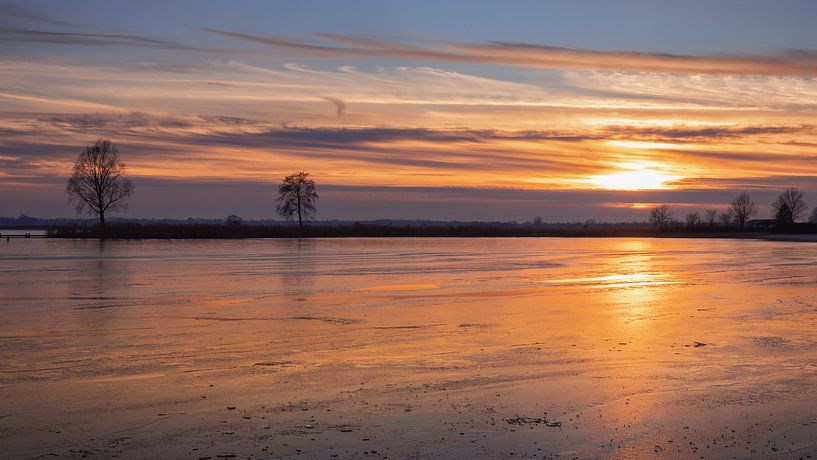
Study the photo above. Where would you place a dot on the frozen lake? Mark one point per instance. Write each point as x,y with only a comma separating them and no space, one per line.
397,348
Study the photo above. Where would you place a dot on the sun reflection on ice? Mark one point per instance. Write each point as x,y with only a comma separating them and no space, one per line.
629,279
641,287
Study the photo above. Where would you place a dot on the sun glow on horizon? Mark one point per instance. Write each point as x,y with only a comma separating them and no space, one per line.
634,176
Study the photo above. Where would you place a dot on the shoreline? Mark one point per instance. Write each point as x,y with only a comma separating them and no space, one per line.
801,233
205,231
803,238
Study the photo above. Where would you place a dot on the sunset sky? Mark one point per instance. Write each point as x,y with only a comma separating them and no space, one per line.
440,110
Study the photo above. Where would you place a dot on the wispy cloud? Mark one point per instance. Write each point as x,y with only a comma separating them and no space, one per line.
18,13
339,104
680,132
422,97
789,62
738,92
259,131
26,25
17,34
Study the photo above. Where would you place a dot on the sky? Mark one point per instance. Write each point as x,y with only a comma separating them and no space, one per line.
470,110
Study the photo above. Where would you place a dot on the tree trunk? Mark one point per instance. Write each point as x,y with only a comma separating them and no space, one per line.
102,219
300,220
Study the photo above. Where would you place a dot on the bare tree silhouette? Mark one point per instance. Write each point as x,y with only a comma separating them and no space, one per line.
98,185
297,194
813,217
789,206
742,209
693,219
661,216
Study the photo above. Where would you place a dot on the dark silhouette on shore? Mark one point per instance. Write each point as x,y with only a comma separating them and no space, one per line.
693,219
98,184
661,217
363,229
297,194
742,209
789,207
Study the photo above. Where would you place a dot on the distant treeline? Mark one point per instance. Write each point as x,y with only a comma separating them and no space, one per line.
201,231
192,231
28,222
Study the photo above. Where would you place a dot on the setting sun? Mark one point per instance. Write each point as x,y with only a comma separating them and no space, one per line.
634,176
